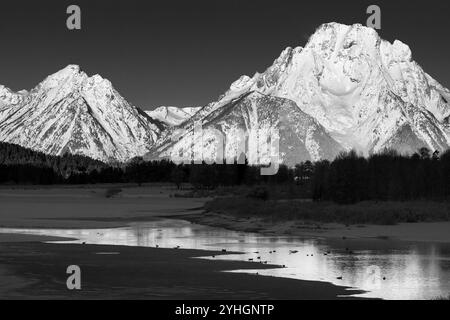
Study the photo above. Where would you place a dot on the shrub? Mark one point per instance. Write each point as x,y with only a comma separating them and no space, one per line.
260,193
112,192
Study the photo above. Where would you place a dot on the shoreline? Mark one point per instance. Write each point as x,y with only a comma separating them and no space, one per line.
38,272
435,232
31,269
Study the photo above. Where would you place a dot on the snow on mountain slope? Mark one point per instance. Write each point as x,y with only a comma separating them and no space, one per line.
347,88
365,91
70,112
173,116
9,101
247,125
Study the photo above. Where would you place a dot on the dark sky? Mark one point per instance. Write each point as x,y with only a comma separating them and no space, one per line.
188,52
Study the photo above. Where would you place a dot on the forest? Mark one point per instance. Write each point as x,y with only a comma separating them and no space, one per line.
350,178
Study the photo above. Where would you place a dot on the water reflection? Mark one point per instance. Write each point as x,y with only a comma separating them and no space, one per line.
386,269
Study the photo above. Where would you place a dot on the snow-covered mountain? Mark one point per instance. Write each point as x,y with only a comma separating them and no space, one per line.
9,99
70,112
250,124
347,88
350,85
173,116
369,94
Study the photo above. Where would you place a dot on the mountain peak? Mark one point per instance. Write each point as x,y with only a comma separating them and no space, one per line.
333,39
73,68
341,28
74,71
401,51
72,112
363,90
4,90
72,79
346,88
70,70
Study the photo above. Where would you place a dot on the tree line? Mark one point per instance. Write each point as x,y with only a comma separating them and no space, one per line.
350,178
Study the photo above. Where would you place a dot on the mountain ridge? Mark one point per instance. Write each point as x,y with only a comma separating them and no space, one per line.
72,112
172,116
367,93
248,124
359,91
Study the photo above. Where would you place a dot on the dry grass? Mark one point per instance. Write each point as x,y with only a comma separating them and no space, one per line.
381,213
